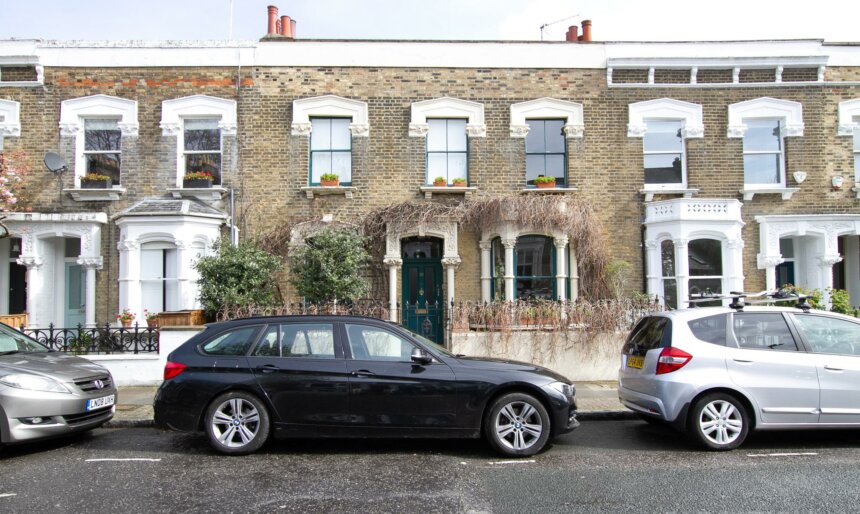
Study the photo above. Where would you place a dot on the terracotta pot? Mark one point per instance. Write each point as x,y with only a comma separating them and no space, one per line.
152,323
458,184
126,323
330,183
545,185
440,183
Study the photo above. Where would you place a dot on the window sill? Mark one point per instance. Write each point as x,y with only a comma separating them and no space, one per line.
649,193
96,195
310,191
202,193
549,190
786,192
429,191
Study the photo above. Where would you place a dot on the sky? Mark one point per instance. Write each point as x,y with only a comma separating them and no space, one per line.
613,20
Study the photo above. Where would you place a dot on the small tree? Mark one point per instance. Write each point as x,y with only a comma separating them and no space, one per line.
13,171
235,276
331,266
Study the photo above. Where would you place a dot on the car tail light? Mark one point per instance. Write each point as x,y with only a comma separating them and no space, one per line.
172,369
672,359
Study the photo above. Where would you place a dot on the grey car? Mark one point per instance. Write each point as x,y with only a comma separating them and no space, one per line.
719,373
46,394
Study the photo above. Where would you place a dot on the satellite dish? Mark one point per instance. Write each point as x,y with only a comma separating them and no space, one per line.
55,162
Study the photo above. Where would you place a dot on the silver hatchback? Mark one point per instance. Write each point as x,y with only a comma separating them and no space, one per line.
45,394
718,373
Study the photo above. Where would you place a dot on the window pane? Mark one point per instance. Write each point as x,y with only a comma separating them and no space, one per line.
786,248
234,342
706,257
535,139
762,331
535,165
269,344
761,169
534,256
341,138
202,135
498,271
457,166
711,329
104,164
320,134
554,136
457,135
663,169
210,162
371,343
762,136
667,251
532,288
308,340
555,167
320,163
101,135
663,136
201,124
436,136
341,163
830,335
706,285
670,293
437,165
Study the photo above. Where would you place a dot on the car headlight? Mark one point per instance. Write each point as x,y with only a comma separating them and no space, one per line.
567,390
33,383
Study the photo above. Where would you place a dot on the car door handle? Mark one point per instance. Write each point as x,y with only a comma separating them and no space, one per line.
745,361
362,373
267,368
833,368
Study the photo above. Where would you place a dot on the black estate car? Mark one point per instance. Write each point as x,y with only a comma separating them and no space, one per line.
241,381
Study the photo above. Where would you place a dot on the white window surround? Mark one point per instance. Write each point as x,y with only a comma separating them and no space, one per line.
175,112
791,114
849,110
666,109
682,220
547,108
447,107
330,106
10,119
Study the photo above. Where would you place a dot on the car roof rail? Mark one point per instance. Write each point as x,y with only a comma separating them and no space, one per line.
743,298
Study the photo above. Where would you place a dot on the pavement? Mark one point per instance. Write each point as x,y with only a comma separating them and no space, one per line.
596,401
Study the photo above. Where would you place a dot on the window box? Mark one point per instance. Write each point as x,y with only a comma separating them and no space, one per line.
96,184
549,190
196,183
180,318
311,191
429,191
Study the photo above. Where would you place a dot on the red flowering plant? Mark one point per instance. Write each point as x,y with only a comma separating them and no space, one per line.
198,175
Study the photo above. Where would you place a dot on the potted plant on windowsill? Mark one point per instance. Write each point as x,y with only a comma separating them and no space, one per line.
96,181
197,180
329,180
543,182
125,317
458,182
151,318
440,182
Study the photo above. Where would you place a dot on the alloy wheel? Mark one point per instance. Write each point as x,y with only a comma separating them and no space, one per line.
235,423
518,425
720,422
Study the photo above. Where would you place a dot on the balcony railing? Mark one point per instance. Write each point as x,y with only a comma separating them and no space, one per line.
98,340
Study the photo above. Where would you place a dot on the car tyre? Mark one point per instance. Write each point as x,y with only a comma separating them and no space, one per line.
718,421
517,425
237,423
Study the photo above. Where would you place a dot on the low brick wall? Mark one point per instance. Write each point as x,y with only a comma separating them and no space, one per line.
578,355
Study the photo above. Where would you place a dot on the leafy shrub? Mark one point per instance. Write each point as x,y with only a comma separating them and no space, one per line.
330,266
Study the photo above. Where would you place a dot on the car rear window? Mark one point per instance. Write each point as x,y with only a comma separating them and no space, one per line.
711,329
231,342
651,332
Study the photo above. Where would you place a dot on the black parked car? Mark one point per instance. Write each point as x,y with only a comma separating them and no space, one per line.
241,381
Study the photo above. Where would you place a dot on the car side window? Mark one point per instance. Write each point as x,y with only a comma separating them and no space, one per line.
231,342
314,340
711,329
829,335
763,331
372,343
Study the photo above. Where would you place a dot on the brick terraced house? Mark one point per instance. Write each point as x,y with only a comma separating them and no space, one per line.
711,165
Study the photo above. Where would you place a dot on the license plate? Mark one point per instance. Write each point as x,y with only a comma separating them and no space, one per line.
634,361
98,403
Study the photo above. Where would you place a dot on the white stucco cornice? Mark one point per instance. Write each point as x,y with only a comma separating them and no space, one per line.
330,106
544,108
447,107
74,111
848,111
198,106
789,111
665,108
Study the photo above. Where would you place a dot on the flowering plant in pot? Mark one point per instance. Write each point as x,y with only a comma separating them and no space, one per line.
197,179
440,182
329,179
544,182
151,318
459,182
95,181
125,317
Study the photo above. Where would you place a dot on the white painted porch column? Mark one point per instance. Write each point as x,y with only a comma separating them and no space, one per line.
653,268
560,271
34,286
825,266
573,272
733,251
450,264
394,265
851,255
91,265
509,245
682,272
486,269
129,279
186,284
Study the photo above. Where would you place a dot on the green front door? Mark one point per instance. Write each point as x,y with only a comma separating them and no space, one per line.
423,301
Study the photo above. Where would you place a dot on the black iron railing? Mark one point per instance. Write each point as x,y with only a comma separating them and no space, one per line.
97,340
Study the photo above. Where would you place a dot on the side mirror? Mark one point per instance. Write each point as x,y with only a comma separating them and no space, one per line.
419,357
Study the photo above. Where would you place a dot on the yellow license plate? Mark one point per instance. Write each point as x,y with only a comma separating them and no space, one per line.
634,361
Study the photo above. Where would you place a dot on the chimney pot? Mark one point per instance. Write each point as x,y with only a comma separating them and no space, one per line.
571,35
273,20
292,28
286,27
586,30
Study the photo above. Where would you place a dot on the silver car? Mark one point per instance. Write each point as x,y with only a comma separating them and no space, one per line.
718,373
46,394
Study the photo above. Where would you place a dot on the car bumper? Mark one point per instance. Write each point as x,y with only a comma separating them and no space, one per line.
667,404
31,415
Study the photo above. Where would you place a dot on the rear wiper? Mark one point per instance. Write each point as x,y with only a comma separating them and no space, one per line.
774,345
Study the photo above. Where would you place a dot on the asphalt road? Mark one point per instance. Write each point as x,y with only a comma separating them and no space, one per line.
617,466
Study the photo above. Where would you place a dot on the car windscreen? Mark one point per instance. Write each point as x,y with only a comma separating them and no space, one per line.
651,332
12,340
